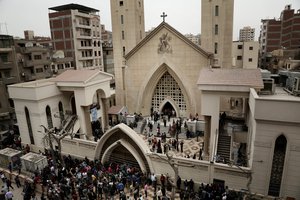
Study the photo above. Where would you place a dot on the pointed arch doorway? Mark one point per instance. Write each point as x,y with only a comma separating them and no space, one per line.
168,96
168,109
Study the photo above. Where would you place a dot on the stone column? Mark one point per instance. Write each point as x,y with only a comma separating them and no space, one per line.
104,109
85,122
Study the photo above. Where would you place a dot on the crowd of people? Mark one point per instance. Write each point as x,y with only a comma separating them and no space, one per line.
72,178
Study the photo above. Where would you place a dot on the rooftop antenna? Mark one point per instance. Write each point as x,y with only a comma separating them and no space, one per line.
3,24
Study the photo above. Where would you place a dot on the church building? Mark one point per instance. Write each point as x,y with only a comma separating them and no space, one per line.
163,72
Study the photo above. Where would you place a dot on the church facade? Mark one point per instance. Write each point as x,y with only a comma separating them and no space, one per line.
161,73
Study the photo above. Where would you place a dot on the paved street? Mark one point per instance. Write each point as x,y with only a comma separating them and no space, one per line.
17,192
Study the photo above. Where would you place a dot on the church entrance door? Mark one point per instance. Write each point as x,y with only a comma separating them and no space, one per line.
168,110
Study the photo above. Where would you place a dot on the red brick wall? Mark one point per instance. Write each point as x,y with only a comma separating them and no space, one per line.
68,44
59,45
57,23
67,34
58,35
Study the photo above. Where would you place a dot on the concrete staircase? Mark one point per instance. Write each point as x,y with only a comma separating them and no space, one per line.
223,151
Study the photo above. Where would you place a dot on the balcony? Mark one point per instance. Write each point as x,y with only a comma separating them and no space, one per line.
9,49
84,25
10,80
30,63
6,65
28,50
85,35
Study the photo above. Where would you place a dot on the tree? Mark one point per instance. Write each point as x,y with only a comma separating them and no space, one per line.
52,135
174,166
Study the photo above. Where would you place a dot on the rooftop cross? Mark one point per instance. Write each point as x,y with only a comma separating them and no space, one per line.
164,16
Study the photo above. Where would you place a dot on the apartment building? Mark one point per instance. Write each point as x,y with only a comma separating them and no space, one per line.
247,34
76,30
279,33
245,54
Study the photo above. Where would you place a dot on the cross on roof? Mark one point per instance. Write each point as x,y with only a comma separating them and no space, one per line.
164,16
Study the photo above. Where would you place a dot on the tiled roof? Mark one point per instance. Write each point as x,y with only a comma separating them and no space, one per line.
231,77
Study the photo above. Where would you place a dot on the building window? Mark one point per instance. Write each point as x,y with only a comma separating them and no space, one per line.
6,74
61,112
250,48
123,35
4,57
124,51
216,10
121,3
60,66
95,53
250,59
37,57
29,125
140,19
239,58
140,4
122,19
67,65
49,117
216,29
216,48
240,46
162,91
39,70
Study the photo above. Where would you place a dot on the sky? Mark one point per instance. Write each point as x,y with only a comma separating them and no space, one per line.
184,15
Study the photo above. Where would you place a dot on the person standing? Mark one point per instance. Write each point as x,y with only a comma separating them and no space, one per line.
17,180
10,167
9,195
146,190
8,184
181,146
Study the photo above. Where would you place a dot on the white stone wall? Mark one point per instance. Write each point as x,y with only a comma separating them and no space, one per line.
271,117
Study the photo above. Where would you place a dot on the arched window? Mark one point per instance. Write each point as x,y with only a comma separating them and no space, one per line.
61,112
277,166
49,117
29,125
167,87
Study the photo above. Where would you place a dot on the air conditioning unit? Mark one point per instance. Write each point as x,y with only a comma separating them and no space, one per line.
269,86
296,85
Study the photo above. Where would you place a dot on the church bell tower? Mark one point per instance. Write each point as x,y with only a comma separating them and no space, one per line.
128,29
216,30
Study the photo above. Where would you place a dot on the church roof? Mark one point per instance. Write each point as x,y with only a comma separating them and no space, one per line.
231,77
114,110
172,30
82,76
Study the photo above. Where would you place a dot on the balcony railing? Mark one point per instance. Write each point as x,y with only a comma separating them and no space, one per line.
30,63
6,65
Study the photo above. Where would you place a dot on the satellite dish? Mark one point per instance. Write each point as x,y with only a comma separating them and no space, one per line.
59,54
29,44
